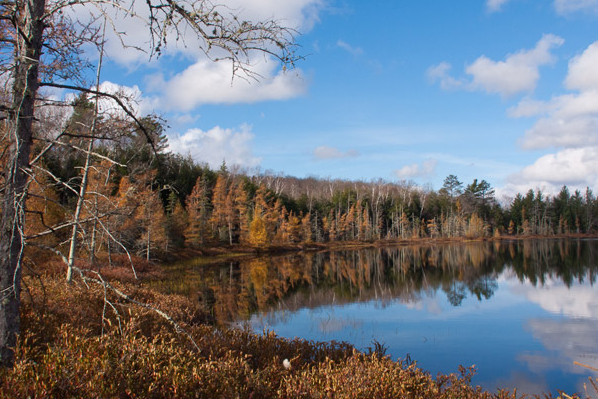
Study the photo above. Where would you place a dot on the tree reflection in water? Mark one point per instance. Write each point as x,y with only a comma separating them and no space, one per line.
236,290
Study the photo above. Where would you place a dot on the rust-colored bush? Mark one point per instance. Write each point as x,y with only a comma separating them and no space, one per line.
62,353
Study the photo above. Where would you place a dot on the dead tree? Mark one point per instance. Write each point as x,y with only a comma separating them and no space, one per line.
42,44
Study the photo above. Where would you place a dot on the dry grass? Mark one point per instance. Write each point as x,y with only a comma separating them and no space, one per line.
68,350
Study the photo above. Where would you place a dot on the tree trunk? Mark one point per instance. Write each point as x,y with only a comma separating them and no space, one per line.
25,85
149,242
80,203
83,188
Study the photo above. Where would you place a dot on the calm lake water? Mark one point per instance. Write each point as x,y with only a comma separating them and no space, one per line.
522,312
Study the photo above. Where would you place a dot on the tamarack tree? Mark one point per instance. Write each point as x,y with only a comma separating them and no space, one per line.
43,43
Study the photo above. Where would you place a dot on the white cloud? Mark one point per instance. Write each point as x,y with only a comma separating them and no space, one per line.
568,6
356,51
215,145
577,168
567,123
415,170
441,74
562,131
131,96
579,302
583,73
324,152
517,73
207,82
567,341
495,5
294,14
297,14
561,6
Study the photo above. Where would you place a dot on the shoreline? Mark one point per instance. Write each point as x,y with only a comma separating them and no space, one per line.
215,254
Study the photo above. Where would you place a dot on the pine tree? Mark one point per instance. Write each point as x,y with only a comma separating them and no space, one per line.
197,211
149,215
220,208
242,208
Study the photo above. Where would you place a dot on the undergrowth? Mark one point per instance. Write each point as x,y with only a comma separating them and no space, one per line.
73,345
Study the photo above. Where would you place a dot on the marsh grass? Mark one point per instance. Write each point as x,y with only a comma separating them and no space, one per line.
69,350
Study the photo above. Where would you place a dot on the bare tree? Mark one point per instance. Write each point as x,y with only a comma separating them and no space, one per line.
42,44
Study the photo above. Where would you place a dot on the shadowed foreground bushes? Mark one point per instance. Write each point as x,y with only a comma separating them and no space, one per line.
64,354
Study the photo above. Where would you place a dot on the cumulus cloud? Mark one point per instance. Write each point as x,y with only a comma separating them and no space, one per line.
569,120
517,73
415,170
567,123
215,145
569,6
356,51
207,82
295,14
495,5
576,168
324,152
583,74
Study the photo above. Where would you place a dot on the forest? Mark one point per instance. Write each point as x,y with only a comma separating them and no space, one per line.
162,202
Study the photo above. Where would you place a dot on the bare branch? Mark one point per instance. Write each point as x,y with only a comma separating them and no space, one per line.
117,99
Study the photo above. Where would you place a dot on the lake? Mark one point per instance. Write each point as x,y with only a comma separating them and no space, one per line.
522,312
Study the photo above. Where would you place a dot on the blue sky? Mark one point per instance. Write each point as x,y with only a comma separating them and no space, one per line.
502,90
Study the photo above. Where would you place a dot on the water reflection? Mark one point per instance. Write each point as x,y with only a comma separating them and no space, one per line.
406,274
522,311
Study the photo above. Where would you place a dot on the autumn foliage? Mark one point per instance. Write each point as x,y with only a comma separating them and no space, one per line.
80,353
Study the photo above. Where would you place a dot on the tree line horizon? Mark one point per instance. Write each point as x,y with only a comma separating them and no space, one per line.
162,202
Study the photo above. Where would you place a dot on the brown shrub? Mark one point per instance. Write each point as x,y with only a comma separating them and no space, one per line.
64,354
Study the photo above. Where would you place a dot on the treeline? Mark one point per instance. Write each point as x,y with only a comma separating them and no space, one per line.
142,199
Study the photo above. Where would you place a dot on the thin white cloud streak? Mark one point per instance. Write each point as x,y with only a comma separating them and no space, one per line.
215,145
495,5
569,6
355,51
426,169
562,7
517,73
327,153
440,73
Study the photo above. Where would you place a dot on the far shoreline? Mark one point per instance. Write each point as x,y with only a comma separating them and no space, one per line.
226,253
